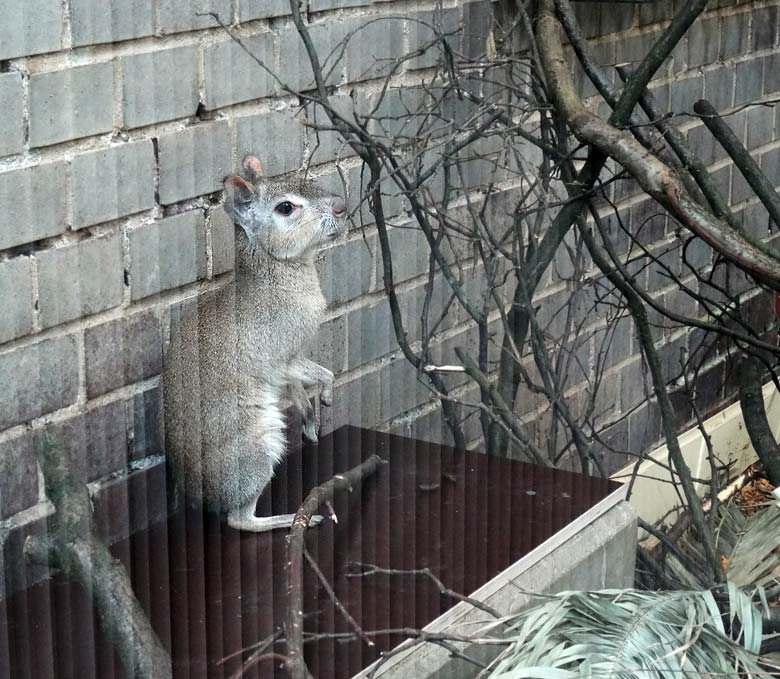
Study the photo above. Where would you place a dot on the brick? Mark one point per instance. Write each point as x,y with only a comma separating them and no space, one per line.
80,279
223,241
748,82
760,126
411,254
194,161
702,40
112,183
719,87
158,86
354,403
232,76
399,389
167,254
370,334
420,34
686,92
38,379
144,423
353,257
92,22
329,347
16,291
655,12
276,137
772,74
69,104
11,123
328,145
31,27
249,11
19,473
701,139
176,16
121,352
763,31
734,33
326,38
644,429
477,24
322,5
34,204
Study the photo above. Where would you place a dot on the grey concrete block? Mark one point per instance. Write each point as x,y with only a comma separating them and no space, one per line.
771,73
80,279
370,334
719,87
686,92
276,137
249,10
38,379
345,270
420,34
654,12
329,345
410,254
69,104
399,389
112,183
31,27
763,30
327,37
95,442
322,5
760,126
167,254
701,139
161,85
232,76
327,145
749,82
122,352
223,241
355,402
11,123
143,414
194,161
734,32
16,293
19,474
703,42
34,204
175,16
92,22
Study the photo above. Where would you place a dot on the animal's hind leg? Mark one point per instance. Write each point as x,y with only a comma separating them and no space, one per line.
244,518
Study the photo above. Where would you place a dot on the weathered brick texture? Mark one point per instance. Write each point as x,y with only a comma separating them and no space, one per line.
121,118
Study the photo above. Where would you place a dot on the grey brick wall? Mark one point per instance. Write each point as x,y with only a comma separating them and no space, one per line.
120,119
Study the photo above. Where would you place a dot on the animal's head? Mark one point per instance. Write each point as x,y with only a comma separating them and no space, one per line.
286,218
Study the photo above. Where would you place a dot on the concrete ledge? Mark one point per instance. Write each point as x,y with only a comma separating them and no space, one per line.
596,551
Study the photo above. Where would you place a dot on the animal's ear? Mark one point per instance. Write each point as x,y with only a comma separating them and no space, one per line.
239,189
253,167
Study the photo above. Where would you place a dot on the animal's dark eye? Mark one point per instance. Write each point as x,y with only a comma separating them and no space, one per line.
284,208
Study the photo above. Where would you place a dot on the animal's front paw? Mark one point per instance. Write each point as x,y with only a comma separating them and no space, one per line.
310,429
326,393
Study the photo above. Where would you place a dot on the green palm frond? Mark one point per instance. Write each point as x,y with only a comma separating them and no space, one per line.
634,635
750,544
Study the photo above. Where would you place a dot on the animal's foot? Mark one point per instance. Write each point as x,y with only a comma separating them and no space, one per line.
259,524
326,394
310,428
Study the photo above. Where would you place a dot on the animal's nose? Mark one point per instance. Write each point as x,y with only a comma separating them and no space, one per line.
339,208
